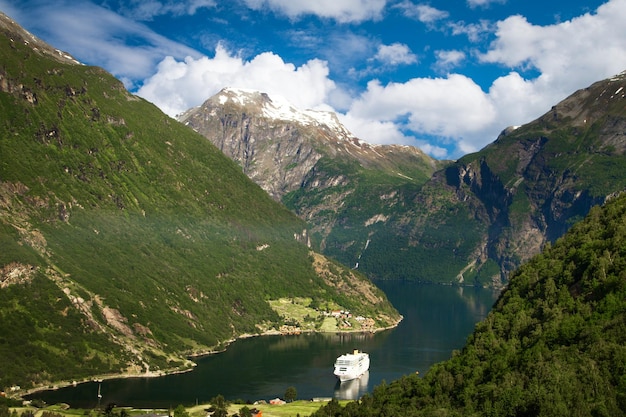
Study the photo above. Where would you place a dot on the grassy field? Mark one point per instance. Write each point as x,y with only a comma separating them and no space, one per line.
296,408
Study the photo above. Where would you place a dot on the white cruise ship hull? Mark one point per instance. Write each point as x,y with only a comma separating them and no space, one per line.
351,365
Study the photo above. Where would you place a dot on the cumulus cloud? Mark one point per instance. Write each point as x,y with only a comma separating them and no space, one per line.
446,116
422,12
561,58
567,55
180,85
451,107
395,54
446,60
519,100
388,133
382,132
483,3
475,32
343,11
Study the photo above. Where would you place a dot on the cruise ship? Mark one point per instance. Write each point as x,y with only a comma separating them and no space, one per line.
351,365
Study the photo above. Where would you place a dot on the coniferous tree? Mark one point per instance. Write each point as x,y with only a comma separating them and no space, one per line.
291,394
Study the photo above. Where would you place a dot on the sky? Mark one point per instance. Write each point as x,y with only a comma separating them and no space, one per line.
446,76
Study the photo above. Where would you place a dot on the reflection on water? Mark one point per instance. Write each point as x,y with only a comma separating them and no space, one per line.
437,320
353,389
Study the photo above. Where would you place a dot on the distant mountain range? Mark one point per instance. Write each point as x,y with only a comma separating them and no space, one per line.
395,213
129,242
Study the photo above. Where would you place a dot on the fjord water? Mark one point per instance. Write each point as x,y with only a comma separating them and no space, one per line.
437,320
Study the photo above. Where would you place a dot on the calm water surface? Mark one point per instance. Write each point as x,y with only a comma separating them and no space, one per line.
437,320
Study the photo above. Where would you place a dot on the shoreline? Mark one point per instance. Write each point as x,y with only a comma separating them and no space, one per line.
155,374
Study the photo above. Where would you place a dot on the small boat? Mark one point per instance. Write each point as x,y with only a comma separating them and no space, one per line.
351,365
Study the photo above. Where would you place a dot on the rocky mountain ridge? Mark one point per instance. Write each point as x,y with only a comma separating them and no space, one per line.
396,213
9,26
314,165
278,146
535,181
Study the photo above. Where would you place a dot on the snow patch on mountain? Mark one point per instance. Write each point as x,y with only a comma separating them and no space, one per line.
279,108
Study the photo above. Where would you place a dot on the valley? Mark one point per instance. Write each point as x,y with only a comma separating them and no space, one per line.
393,212
132,244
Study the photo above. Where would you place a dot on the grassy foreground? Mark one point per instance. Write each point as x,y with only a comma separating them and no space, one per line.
292,409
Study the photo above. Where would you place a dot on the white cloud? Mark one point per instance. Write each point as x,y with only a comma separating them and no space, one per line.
567,55
180,85
94,34
422,12
429,104
387,133
446,116
148,9
475,32
518,100
483,3
395,54
544,65
447,60
342,10
376,131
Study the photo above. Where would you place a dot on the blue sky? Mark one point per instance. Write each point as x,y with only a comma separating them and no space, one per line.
446,76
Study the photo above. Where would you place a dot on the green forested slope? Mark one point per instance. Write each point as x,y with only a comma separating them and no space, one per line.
127,241
347,190
553,345
481,217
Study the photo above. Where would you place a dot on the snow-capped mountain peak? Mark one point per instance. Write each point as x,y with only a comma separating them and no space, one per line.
278,108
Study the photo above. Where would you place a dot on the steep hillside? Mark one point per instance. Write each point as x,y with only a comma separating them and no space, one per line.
478,219
345,188
553,345
129,241
527,188
395,213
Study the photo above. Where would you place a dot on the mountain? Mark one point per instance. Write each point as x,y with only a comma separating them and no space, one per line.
528,187
343,187
283,148
554,343
395,213
129,242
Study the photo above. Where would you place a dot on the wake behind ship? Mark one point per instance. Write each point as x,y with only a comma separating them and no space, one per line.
351,365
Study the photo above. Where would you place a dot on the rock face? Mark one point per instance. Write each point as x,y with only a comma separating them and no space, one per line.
268,151
395,213
279,146
313,164
528,187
